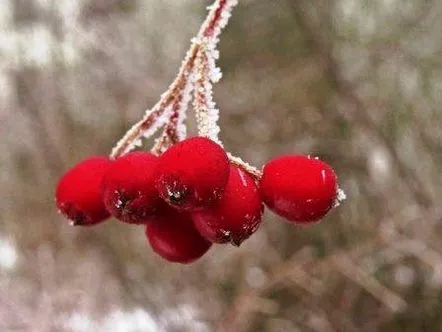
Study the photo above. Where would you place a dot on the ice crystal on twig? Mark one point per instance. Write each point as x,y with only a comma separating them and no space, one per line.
181,128
153,120
341,196
207,113
176,129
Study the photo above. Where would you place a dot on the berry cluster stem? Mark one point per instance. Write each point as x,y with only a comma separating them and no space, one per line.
211,28
252,170
152,116
197,73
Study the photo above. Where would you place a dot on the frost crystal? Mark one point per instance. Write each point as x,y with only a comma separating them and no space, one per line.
341,196
207,112
182,110
158,123
215,75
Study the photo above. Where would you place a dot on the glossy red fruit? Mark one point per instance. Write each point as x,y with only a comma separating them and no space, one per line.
300,188
173,236
192,174
234,217
129,192
78,192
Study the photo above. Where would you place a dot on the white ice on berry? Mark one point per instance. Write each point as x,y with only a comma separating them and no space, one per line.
340,197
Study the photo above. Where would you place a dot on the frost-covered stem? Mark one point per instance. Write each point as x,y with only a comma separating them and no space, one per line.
207,73
205,108
169,135
211,28
151,116
176,129
252,170
217,18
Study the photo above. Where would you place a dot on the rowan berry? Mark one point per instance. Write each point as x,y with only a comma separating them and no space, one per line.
192,174
173,236
129,192
78,192
234,217
300,188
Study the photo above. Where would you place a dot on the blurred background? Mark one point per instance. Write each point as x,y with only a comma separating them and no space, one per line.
356,82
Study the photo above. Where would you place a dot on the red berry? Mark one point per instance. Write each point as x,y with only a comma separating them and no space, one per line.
299,188
78,192
173,236
129,192
234,217
192,174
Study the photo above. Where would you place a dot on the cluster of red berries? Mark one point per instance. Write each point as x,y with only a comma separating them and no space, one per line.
192,196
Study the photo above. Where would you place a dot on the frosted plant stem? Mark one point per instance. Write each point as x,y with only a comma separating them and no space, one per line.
135,133
236,161
217,18
176,129
206,111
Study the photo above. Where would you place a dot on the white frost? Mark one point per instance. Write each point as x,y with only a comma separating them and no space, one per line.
184,105
341,196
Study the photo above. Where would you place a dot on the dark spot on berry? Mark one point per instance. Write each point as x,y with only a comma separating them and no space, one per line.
236,241
176,196
77,217
122,200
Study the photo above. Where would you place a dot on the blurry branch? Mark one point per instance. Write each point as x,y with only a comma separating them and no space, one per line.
300,272
345,90
30,108
27,82
390,299
118,268
239,313
406,28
